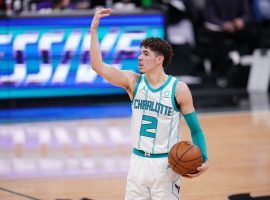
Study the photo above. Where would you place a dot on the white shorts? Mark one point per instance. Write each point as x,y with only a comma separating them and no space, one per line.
151,179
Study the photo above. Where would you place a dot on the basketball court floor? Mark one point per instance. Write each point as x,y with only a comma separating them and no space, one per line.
75,153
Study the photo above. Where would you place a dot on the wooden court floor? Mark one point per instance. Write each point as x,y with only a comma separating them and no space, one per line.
239,153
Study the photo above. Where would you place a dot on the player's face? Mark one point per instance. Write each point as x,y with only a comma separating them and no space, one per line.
148,60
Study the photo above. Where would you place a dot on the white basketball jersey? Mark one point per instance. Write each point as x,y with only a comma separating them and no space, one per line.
155,117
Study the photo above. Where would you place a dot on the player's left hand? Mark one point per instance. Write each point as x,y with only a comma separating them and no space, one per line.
200,170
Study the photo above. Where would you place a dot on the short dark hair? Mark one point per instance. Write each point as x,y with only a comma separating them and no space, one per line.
159,46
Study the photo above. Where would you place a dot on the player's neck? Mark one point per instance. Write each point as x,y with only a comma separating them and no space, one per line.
157,79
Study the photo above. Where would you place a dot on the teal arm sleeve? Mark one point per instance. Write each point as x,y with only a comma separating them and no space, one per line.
196,133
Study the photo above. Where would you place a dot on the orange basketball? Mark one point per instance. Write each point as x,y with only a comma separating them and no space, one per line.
185,157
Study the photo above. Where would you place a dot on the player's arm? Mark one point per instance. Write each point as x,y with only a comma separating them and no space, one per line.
115,76
185,101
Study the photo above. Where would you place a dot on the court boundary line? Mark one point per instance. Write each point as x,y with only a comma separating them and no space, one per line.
18,194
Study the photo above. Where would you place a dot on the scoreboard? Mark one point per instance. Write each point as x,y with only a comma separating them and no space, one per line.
49,57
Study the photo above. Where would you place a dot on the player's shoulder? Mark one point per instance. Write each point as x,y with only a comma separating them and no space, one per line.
131,75
182,87
182,92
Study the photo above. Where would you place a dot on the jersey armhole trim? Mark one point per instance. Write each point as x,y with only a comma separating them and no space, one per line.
136,88
173,96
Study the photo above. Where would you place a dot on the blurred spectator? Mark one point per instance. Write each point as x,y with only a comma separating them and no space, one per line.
2,5
227,24
127,5
95,3
228,16
261,13
115,4
61,4
261,10
42,5
180,35
81,4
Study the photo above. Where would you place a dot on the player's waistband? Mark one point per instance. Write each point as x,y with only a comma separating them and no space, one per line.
149,155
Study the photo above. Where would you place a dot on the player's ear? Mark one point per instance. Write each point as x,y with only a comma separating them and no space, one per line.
160,59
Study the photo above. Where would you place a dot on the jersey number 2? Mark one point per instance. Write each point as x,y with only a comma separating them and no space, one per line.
149,126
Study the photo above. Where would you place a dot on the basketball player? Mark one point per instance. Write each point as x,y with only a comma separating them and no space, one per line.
157,100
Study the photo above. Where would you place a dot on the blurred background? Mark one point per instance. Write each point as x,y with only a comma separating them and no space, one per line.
58,118
220,47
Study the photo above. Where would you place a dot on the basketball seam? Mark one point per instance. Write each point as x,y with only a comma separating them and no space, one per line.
176,162
191,160
179,159
183,167
185,151
173,160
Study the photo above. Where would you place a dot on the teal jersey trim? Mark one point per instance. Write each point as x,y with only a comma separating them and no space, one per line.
149,155
196,133
173,95
136,88
157,89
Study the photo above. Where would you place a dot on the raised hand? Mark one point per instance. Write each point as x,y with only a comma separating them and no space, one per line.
99,13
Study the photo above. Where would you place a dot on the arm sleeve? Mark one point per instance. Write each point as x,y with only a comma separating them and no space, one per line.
196,133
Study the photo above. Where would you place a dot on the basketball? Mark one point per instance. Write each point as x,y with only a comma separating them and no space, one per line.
185,157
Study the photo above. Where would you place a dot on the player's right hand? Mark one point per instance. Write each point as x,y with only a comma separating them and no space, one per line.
99,13
200,170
